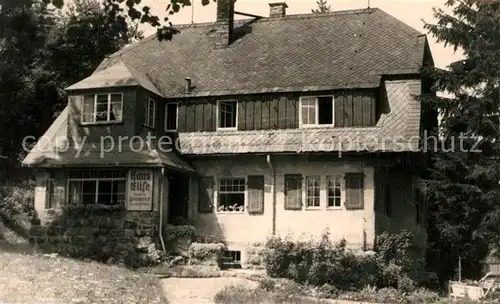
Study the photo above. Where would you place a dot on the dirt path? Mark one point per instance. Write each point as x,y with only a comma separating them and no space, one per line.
199,291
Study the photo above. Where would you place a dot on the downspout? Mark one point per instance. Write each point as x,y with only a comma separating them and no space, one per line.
274,192
161,209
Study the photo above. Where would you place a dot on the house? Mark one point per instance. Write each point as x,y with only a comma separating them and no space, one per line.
285,125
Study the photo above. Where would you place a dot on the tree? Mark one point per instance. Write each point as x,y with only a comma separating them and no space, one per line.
22,36
463,188
132,9
44,50
323,7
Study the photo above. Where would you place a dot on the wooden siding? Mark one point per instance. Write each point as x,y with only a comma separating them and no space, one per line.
95,132
353,108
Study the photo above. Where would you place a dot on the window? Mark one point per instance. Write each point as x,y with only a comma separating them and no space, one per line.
231,196
312,191
334,191
150,112
106,187
227,113
171,117
232,256
316,111
102,108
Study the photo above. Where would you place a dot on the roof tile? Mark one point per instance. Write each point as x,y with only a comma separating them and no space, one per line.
346,49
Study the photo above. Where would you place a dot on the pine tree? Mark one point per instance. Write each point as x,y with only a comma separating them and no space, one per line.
464,190
323,7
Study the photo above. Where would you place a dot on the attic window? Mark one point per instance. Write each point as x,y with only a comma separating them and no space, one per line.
100,108
316,111
227,113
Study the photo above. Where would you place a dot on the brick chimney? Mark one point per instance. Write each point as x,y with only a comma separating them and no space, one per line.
277,9
225,18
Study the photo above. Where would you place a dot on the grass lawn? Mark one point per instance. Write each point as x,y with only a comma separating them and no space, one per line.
35,278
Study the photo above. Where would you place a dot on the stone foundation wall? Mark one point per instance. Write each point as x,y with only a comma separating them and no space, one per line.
102,233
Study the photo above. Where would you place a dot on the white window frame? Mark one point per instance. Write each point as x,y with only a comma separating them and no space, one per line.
97,179
305,178
108,121
147,119
341,179
316,118
176,116
245,193
217,116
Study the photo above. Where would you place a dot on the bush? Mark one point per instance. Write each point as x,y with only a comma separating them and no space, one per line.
239,294
398,249
267,284
17,199
206,254
325,264
178,237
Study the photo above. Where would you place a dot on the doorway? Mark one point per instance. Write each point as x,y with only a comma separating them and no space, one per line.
178,198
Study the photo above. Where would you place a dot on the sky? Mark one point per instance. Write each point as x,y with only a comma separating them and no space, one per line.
410,12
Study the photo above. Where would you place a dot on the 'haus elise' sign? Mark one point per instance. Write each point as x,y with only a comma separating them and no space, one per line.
140,190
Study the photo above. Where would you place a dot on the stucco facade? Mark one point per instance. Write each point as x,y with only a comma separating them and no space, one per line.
240,230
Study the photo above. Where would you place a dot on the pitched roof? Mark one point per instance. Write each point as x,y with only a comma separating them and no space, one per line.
397,130
93,155
119,74
54,149
344,49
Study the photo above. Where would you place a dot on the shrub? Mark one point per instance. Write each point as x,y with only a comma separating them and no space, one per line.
267,284
323,263
206,254
17,199
397,249
328,291
178,236
239,294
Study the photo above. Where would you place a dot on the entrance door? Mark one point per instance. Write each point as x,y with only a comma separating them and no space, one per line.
178,198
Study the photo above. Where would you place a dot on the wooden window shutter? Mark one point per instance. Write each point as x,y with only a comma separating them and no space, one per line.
354,184
388,200
206,194
255,194
293,192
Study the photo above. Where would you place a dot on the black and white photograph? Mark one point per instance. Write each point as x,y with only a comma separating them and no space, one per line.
249,151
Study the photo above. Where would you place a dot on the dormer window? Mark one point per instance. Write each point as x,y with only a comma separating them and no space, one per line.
227,113
150,112
316,111
102,108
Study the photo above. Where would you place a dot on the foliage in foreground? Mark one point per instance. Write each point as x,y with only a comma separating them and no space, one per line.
320,263
288,292
279,291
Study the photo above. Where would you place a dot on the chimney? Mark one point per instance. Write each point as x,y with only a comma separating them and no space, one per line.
277,9
188,86
225,16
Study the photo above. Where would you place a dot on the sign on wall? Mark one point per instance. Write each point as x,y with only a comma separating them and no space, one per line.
140,190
